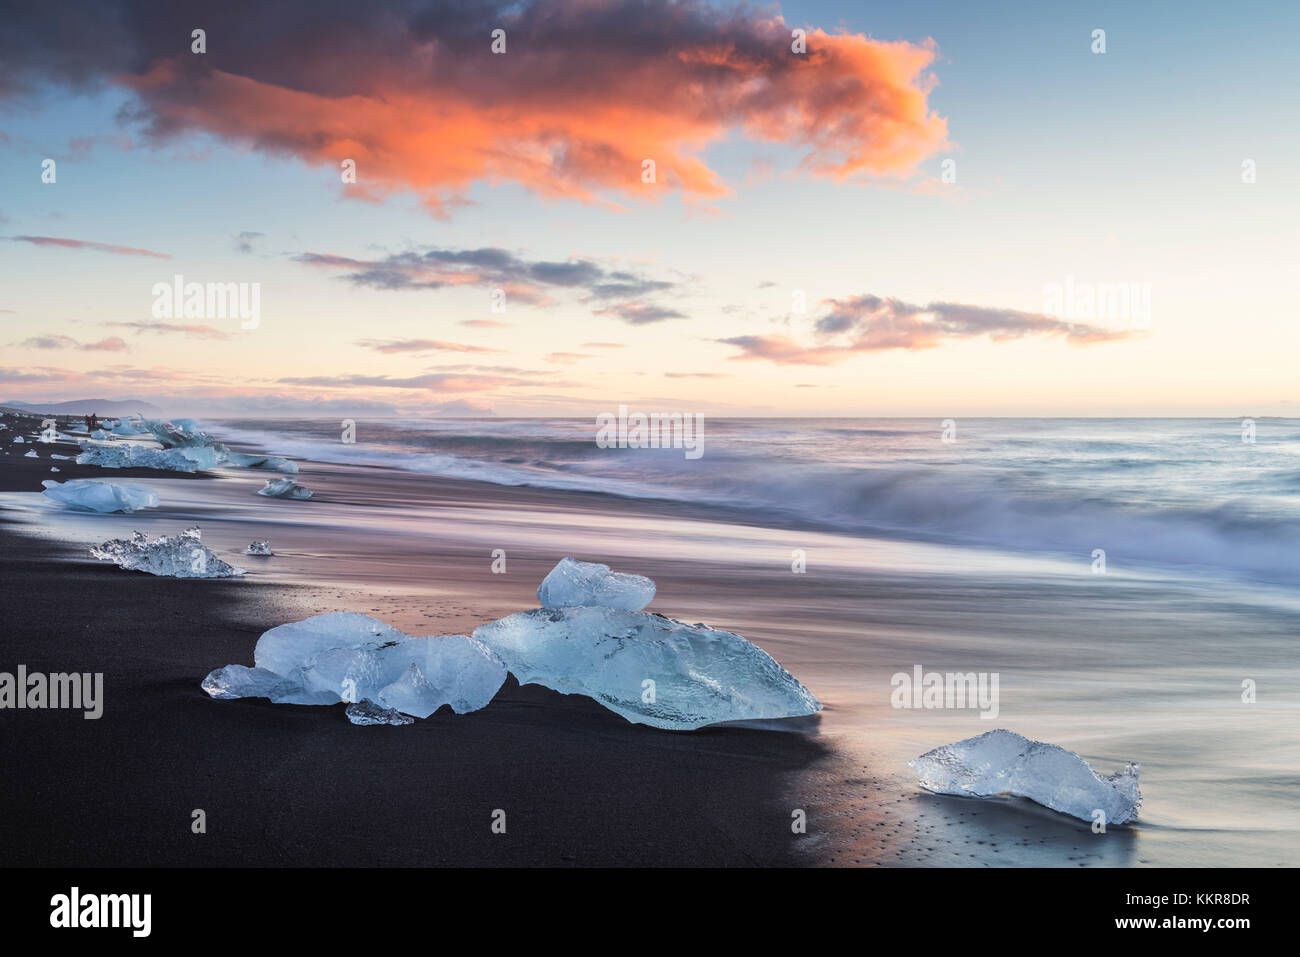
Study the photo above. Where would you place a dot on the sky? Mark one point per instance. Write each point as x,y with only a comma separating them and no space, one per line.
945,209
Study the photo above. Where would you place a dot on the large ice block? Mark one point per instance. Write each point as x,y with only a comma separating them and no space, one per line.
88,495
648,668
349,657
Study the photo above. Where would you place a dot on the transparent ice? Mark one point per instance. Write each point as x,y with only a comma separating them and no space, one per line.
87,495
367,712
700,675
284,488
259,548
572,582
1003,762
127,456
344,656
180,556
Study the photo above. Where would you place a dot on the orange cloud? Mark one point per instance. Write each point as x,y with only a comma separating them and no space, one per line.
586,92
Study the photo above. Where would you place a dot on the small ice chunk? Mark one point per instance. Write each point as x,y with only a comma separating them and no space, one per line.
259,548
53,469
101,434
284,488
271,462
648,668
18,440
572,582
367,712
65,458
181,556
238,681
31,455
1003,762
348,657
87,495
126,427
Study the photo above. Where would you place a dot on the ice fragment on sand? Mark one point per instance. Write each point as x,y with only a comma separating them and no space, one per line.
367,712
237,681
87,495
128,456
31,455
353,658
284,488
259,548
572,582
1003,762
648,668
181,556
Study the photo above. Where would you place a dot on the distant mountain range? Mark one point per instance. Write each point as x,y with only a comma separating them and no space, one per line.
101,407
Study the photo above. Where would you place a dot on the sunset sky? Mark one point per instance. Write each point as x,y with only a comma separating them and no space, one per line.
780,177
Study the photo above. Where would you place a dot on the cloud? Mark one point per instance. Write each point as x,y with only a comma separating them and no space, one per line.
520,279
190,331
483,324
465,407
390,346
244,241
434,383
639,313
86,244
604,345
567,358
111,344
872,324
697,375
412,92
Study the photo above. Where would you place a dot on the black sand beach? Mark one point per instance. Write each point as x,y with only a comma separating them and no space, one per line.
286,785
1083,663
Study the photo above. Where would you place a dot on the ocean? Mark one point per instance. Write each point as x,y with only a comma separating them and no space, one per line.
1209,497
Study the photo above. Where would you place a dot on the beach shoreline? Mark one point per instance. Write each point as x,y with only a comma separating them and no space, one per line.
290,785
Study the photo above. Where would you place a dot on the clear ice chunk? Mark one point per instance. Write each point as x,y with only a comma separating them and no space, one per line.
259,548
237,681
284,488
572,582
128,456
179,434
412,693
349,657
87,495
181,556
31,455
367,712
272,462
648,668
1003,762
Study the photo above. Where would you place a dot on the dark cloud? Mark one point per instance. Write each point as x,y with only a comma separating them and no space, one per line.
522,280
